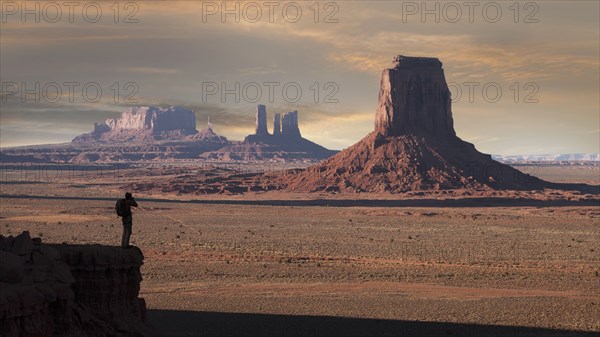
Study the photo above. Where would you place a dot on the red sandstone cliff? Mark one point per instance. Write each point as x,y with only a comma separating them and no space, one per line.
69,290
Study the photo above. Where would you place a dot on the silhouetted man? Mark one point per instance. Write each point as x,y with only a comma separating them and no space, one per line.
123,209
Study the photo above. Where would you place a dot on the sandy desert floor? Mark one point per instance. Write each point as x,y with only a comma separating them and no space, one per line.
275,264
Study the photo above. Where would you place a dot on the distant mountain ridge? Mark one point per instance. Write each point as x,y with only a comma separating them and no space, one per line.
548,157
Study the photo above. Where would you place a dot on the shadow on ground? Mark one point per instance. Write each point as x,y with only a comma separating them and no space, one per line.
173,323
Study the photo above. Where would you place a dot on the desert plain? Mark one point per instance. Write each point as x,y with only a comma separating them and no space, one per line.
447,263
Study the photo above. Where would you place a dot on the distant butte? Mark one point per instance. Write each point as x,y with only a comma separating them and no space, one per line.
286,142
140,134
414,98
285,128
144,124
413,147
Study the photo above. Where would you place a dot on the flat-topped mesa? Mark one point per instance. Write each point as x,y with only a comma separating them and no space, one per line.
289,125
153,124
414,98
152,118
261,120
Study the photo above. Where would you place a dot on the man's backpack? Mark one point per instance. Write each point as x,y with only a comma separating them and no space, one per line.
120,207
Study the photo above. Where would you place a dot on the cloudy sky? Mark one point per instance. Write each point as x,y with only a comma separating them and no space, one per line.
542,55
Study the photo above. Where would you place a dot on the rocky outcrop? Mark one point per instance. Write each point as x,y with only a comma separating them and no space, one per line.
261,121
144,124
261,132
413,147
66,290
154,118
147,125
286,142
414,97
289,126
277,125
107,282
285,128
208,136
